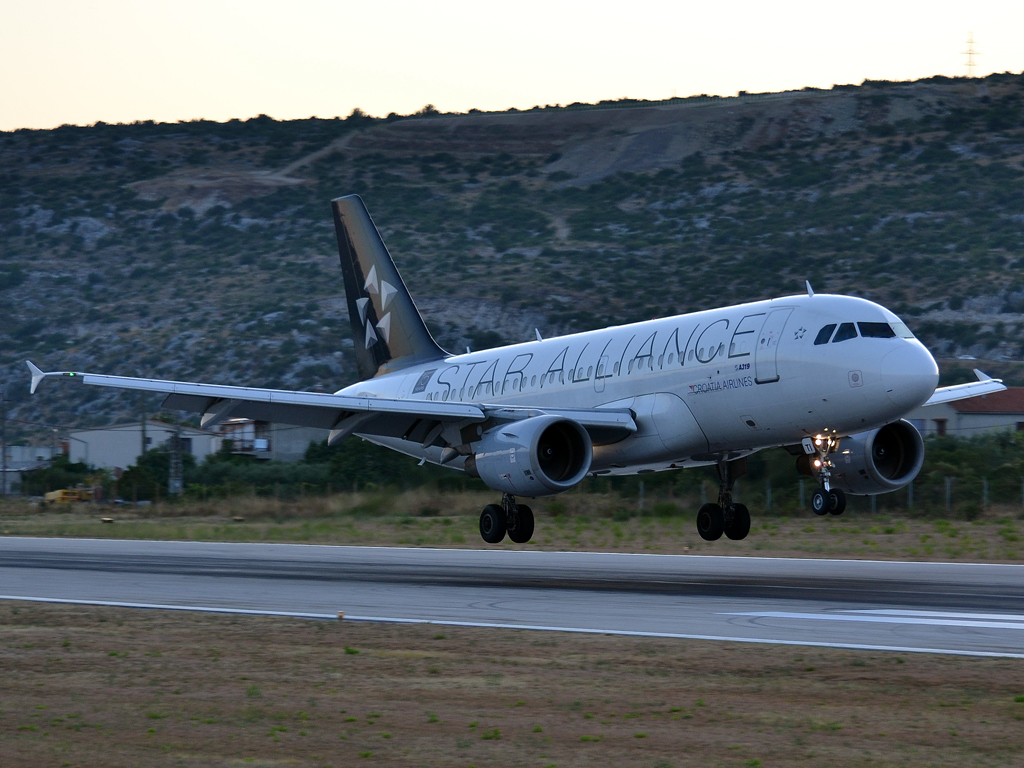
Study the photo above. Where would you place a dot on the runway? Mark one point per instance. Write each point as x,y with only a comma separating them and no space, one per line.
971,609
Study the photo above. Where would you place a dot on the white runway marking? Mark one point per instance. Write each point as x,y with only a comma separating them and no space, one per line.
887,617
681,636
529,627
943,614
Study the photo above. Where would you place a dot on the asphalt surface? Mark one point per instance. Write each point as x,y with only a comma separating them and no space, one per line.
964,608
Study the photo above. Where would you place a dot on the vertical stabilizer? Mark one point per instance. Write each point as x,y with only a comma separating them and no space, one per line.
388,332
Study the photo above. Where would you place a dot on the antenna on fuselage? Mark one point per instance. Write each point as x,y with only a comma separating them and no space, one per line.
810,291
539,337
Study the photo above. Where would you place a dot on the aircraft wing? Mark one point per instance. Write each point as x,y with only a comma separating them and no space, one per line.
985,385
419,420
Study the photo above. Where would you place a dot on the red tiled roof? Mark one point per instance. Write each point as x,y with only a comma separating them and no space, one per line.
1010,400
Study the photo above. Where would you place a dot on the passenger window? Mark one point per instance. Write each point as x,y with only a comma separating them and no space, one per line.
876,331
824,334
846,331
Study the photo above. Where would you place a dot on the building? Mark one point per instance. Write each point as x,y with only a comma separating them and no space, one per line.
265,440
998,412
24,458
120,445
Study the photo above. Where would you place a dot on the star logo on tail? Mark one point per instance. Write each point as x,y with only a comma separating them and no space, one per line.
386,291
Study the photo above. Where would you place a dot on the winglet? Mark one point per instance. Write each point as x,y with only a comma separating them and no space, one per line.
810,291
37,376
982,376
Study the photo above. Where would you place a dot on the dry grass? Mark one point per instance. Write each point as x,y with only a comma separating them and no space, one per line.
115,687
578,521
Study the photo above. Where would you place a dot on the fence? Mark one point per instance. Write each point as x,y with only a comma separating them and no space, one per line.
940,495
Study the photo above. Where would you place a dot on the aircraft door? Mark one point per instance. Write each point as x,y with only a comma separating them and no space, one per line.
601,374
766,368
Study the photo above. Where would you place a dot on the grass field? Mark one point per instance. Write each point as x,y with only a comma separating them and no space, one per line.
116,687
572,521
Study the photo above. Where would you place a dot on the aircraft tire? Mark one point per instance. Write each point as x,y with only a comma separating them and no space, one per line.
740,526
819,502
492,524
710,522
523,531
836,501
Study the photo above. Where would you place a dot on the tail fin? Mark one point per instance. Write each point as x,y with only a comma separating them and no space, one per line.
387,329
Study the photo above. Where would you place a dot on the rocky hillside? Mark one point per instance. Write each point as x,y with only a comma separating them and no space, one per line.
206,250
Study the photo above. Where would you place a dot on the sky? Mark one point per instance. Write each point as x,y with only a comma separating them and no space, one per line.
119,61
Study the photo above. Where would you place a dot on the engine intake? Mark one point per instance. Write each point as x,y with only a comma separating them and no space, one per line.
539,456
879,461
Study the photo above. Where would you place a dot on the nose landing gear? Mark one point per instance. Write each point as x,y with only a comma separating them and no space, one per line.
728,517
826,500
511,517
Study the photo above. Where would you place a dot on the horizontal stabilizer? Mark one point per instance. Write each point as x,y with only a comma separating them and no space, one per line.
985,385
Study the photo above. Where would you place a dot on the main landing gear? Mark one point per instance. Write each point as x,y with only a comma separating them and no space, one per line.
826,500
511,517
726,517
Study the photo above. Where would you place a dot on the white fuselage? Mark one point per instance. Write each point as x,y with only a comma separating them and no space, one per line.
714,384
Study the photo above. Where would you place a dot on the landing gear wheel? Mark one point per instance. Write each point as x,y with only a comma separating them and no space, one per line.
492,524
522,532
710,522
819,502
836,501
739,526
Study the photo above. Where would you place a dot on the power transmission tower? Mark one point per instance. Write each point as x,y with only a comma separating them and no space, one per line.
174,479
970,53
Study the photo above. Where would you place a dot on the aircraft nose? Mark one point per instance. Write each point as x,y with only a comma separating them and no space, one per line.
909,375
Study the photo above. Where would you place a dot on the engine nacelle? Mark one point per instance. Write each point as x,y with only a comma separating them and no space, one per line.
538,456
879,461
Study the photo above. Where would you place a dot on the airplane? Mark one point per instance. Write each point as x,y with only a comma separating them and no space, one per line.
826,377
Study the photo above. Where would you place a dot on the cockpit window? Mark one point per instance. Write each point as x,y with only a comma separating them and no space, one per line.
902,331
824,334
876,331
846,331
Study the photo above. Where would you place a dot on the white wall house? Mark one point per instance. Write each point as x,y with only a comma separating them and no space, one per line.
24,458
119,445
264,440
998,412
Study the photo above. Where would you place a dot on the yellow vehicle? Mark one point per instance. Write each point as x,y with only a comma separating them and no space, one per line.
68,496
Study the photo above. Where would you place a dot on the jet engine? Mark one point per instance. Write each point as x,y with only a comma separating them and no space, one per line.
879,461
538,456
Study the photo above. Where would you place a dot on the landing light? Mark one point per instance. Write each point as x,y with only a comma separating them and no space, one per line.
817,462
